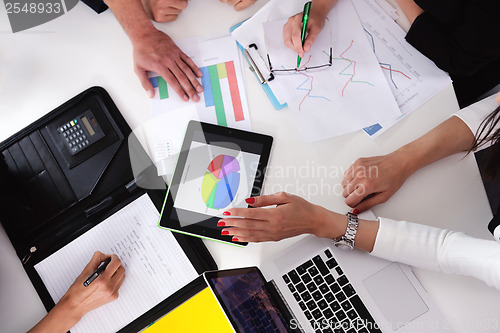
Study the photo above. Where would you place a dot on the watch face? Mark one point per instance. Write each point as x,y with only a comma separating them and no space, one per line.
343,245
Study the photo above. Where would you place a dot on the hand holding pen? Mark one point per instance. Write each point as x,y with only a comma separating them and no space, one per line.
292,30
104,275
103,288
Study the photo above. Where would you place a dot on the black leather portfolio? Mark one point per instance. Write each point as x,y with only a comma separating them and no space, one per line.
66,173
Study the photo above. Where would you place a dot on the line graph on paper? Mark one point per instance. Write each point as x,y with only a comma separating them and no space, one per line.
308,85
350,69
390,72
345,66
412,77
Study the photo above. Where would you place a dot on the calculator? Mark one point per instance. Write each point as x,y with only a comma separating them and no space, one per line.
80,132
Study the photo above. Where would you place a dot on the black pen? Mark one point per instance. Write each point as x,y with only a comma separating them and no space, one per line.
98,272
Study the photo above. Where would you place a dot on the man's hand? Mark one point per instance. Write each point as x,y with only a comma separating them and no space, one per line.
164,10
158,53
239,4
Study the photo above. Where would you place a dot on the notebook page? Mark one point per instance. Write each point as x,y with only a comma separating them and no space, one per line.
155,265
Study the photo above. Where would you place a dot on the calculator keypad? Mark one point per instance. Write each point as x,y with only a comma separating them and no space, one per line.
74,136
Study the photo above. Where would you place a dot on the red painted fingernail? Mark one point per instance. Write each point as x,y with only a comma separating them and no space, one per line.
224,232
250,200
221,223
356,211
235,239
226,213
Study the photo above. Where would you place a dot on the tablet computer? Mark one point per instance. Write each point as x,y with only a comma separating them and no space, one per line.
217,169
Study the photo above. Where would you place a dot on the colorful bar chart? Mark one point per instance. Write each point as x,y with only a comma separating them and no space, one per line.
161,84
220,91
217,95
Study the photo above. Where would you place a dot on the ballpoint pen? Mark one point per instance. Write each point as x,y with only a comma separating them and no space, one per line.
98,272
305,19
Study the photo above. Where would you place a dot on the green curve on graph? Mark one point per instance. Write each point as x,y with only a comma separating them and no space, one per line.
347,74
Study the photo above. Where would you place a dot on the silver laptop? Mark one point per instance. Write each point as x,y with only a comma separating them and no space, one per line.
315,287
328,289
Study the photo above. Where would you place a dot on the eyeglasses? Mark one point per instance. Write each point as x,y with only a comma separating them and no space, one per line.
304,67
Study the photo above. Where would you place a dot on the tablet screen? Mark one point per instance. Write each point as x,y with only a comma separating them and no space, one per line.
215,178
217,169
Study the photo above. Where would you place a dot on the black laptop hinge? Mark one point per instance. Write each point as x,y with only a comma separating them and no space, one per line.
272,288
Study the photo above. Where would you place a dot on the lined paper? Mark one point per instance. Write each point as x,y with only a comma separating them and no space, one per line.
155,265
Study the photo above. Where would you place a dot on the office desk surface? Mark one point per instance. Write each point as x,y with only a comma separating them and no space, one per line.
45,66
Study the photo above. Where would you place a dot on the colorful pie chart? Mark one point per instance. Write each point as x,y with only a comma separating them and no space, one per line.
221,182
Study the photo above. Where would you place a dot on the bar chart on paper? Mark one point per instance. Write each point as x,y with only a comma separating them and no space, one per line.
221,94
223,100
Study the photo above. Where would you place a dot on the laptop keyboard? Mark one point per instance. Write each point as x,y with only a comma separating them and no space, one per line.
327,299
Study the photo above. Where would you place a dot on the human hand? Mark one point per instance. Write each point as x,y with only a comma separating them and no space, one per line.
291,217
239,4
158,53
292,31
79,299
372,181
164,10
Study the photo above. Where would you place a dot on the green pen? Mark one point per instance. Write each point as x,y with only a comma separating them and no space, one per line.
305,19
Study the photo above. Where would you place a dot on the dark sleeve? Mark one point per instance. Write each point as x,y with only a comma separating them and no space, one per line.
97,5
465,49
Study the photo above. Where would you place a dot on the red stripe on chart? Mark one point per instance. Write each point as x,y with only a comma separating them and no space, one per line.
235,92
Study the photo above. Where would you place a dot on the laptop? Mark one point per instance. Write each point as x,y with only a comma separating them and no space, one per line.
331,290
315,287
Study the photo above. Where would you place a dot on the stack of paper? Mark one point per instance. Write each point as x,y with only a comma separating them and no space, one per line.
365,88
412,77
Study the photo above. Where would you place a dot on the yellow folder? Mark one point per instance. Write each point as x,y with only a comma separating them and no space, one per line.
200,313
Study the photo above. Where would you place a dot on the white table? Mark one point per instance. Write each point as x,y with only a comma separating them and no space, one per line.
45,66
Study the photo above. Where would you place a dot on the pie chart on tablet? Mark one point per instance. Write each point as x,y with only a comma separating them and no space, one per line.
221,182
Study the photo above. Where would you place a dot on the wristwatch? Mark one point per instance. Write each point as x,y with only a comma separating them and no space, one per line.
346,242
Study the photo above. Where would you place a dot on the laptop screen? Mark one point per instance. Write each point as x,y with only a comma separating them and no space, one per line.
246,300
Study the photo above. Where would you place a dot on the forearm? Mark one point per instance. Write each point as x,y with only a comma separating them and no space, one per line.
438,249
332,225
59,320
132,17
450,137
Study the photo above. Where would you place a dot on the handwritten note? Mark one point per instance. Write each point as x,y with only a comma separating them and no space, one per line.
154,262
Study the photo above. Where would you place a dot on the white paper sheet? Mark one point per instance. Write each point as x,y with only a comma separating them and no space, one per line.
351,94
413,77
230,90
155,265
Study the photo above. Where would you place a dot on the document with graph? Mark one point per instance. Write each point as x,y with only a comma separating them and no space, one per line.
413,78
327,101
223,100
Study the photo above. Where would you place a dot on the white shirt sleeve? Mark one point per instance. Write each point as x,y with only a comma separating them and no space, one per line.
474,115
438,249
